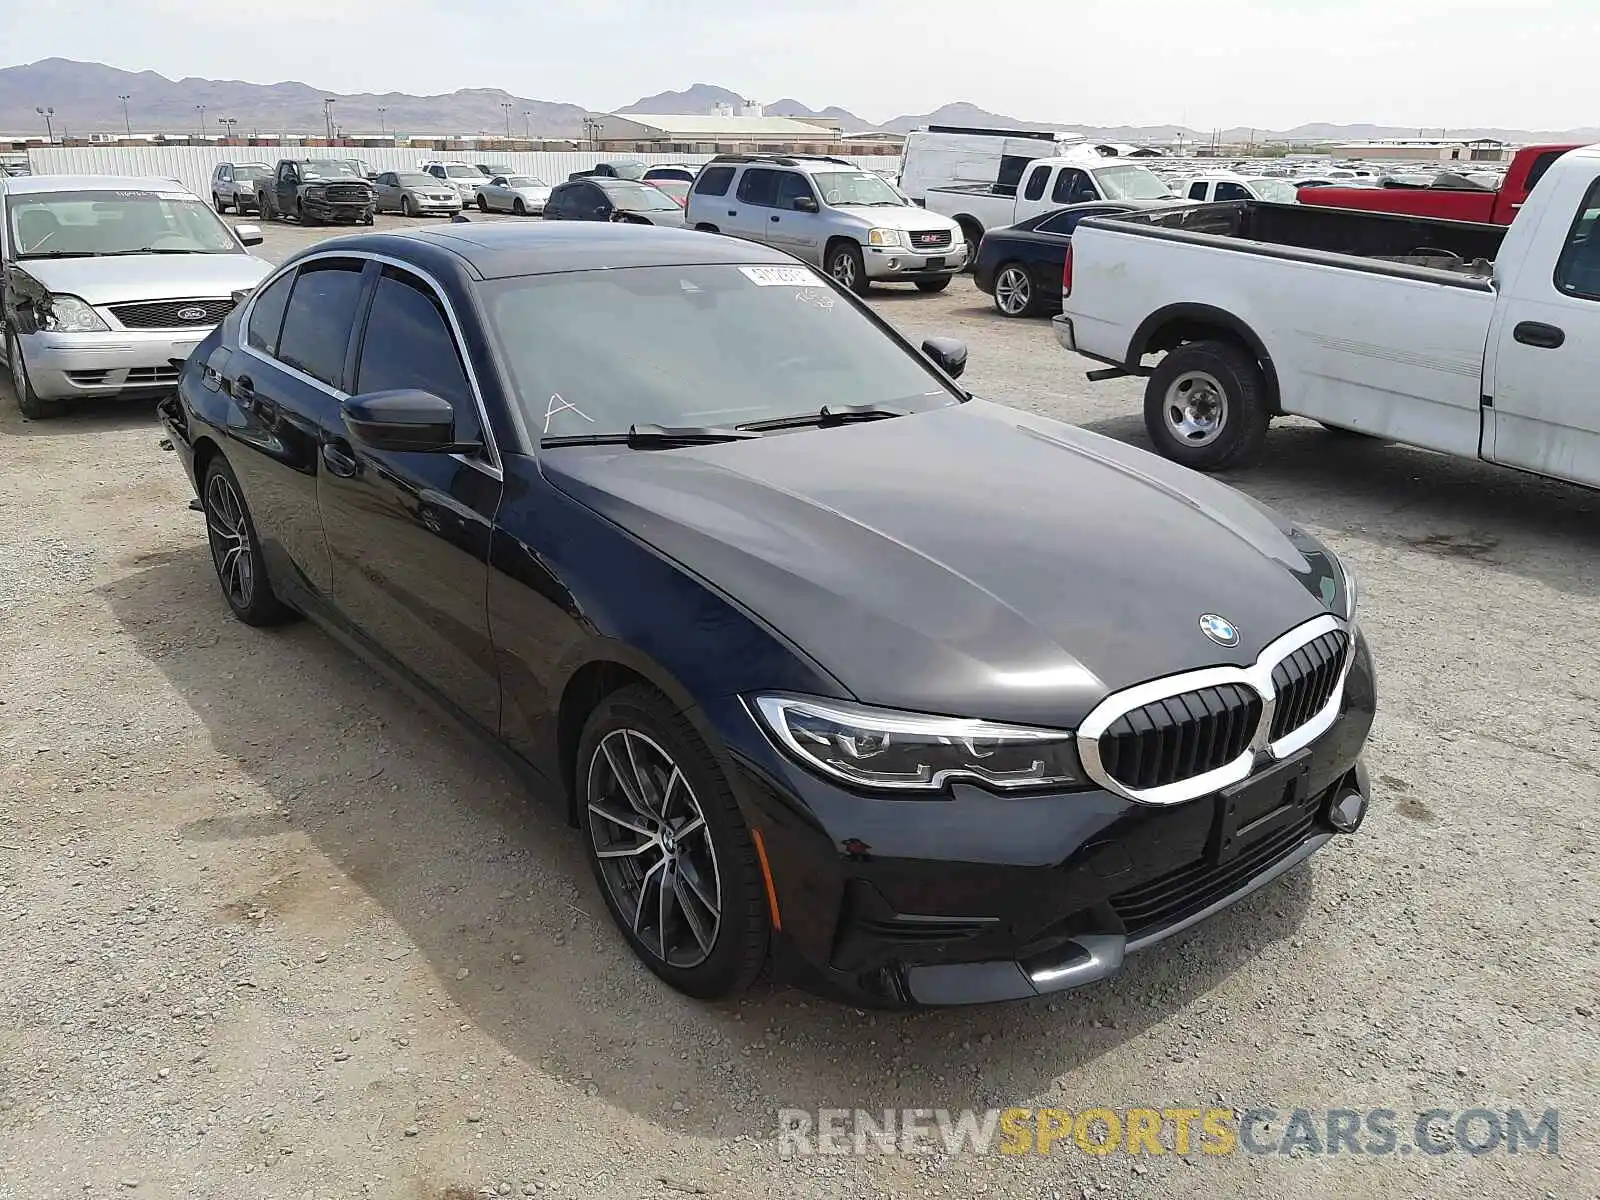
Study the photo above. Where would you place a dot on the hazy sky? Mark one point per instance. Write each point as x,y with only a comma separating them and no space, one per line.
1205,63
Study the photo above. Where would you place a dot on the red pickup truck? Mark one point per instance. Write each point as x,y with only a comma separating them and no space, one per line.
1445,203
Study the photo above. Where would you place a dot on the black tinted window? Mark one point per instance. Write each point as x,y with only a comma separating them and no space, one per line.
408,344
1540,165
793,186
714,181
1036,182
266,318
1232,191
759,187
1063,222
321,319
1197,190
1072,187
1578,269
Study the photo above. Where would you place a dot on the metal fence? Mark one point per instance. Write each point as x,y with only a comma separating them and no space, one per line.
192,165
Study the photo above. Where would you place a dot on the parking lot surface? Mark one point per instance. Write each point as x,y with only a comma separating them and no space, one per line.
270,928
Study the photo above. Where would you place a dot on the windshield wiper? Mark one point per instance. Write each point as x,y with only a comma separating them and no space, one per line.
839,414
148,250
60,254
647,437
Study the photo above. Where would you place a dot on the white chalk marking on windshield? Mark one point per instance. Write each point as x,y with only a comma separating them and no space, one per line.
557,406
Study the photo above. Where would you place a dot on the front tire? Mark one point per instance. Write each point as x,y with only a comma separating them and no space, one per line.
847,267
483,205
407,209
216,203
235,549
1013,291
1206,406
29,402
668,846
933,285
519,208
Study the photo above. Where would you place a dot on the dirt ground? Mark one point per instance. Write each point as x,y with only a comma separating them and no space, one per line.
271,929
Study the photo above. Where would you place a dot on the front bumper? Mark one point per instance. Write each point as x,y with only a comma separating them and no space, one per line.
896,263
64,365
328,210
976,896
451,206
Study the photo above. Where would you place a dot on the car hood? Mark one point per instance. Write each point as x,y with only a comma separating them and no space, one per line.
671,218
908,217
973,560
532,193
147,276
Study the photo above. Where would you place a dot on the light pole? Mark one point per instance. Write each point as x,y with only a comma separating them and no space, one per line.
527,124
201,109
227,124
506,104
127,125
49,129
327,116
383,124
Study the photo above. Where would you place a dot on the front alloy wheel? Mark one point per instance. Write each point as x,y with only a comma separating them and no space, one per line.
654,848
669,846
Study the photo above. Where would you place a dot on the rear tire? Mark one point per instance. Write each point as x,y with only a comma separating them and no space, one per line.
847,267
28,400
933,285
1014,294
235,549
264,208
972,234
669,847
1206,406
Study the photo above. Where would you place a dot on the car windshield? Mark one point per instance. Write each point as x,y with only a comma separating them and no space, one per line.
252,174
1277,191
523,181
89,223
1131,183
329,168
409,179
638,197
463,173
840,188
594,352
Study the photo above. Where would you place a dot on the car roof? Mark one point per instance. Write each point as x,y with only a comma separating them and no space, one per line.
505,249
28,184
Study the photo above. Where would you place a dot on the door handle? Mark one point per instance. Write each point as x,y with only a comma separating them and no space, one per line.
733,212
339,463
774,217
1537,333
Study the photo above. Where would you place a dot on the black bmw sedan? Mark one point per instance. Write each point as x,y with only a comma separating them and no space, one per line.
917,698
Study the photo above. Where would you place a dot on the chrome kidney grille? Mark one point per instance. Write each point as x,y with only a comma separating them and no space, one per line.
1185,736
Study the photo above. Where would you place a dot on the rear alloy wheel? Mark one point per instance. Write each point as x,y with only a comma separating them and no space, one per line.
1013,291
28,400
668,846
847,268
235,550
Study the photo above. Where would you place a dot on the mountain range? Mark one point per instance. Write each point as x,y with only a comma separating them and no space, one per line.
86,98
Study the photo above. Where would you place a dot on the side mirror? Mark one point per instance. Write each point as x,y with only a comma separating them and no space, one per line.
407,420
250,235
806,204
948,354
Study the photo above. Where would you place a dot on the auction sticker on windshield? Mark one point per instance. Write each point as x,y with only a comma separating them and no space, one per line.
781,277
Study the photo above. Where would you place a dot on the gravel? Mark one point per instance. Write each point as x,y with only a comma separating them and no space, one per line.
269,928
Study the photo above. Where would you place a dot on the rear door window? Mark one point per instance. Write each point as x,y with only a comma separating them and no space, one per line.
320,319
266,318
759,187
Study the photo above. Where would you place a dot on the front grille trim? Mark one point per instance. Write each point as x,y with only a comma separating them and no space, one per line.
1264,740
163,314
931,239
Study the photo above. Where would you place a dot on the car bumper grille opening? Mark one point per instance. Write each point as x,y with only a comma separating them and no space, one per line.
1180,737
1305,681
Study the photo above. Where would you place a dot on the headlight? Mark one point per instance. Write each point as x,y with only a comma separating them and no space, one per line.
68,314
879,748
316,189
885,237
1352,590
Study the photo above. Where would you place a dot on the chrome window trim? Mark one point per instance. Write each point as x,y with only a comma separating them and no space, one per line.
1258,678
494,467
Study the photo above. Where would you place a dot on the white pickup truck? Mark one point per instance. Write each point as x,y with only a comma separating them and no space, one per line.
1475,340
1044,185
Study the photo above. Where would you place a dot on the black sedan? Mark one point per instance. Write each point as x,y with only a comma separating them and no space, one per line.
1020,265
918,698
622,200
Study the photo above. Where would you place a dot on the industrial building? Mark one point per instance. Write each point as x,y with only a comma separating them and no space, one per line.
1486,150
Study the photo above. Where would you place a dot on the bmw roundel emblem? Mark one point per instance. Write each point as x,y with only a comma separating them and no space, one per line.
191,314
1219,629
